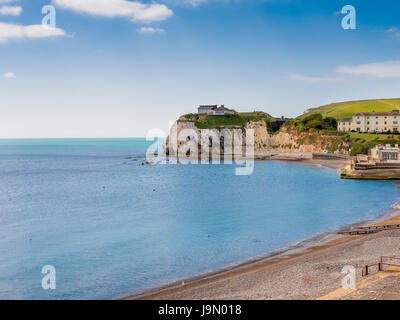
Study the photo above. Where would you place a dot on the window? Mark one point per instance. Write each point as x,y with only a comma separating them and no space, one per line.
390,156
385,121
367,122
394,122
358,122
358,129
377,122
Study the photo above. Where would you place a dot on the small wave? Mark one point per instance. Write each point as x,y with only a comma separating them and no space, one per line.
396,205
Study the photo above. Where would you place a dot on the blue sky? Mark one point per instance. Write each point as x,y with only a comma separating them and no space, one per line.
118,68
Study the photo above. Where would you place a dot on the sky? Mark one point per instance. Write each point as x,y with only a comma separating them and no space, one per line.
119,68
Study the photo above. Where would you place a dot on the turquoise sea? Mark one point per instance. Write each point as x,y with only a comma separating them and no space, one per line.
113,227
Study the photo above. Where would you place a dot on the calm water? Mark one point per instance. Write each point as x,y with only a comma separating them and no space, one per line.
80,206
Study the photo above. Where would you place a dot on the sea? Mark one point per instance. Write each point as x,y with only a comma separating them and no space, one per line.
108,225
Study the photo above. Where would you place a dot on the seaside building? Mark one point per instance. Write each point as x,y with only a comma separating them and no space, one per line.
214,110
386,154
382,163
371,122
207,109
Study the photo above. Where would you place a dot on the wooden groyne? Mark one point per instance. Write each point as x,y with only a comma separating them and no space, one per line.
368,230
330,156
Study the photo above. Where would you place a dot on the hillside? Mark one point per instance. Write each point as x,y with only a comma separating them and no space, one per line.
348,109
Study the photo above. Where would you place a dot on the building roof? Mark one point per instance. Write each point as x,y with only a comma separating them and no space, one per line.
346,120
393,112
386,148
208,106
222,107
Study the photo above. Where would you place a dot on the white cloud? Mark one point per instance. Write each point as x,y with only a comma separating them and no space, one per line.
9,75
150,30
8,1
14,31
10,10
387,69
311,79
394,31
135,10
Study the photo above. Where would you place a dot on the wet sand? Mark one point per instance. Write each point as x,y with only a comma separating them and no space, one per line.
309,270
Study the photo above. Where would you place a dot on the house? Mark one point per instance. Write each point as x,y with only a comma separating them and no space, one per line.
214,110
207,109
371,122
344,125
222,111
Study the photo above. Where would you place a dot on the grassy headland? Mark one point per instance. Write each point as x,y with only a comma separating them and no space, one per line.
203,121
347,109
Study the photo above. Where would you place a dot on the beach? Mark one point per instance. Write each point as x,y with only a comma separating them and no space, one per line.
310,270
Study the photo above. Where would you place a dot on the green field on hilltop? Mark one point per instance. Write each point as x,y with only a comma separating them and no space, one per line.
348,109
203,121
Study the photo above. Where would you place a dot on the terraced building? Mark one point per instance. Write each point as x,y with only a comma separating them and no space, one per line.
371,122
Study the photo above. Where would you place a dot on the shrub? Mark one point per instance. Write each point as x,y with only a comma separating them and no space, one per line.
314,123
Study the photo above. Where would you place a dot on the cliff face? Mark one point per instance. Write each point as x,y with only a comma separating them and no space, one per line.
290,140
287,140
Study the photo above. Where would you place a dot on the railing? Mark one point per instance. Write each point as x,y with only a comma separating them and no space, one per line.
365,270
389,264
380,265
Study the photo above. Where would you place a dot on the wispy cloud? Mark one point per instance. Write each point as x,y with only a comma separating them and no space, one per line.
135,10
9,75
194,3
191,3
394,31
312,79
14,31
8,1
150,30
386,69
10,10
